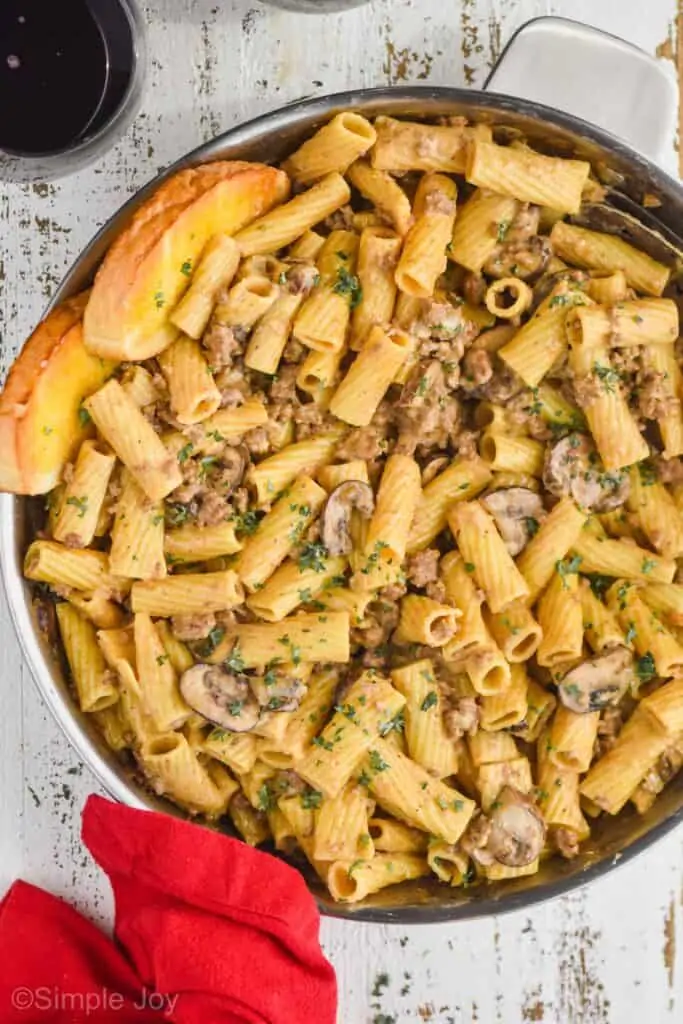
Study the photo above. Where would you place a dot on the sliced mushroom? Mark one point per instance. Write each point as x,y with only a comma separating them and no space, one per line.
598,683
281,693
518,513
517,829
220,697
573,467
336,518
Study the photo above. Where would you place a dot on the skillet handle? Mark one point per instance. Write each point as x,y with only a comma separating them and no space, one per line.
590,74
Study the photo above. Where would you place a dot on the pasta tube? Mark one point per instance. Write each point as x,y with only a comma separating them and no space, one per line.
608,254
333,148
286,223
428,742
79,512
482,548
356,399
134,440
95,685
279,532
316,636
423,257
216,269
527,176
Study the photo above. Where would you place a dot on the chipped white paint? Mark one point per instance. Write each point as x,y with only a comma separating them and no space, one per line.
602,956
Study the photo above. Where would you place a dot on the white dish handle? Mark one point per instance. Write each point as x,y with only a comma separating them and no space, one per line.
590,74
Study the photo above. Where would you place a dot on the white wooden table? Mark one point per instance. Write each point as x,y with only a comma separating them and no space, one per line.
605,955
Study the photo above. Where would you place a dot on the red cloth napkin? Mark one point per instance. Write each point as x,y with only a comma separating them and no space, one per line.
209,931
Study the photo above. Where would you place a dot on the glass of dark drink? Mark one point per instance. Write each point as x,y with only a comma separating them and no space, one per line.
71,77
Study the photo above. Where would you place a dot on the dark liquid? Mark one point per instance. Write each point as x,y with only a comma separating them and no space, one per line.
54,74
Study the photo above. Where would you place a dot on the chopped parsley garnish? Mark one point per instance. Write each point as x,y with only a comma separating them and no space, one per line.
560,300
80,503
647,565
532,525
313,557
318,741
631,633
645,667
212,641
609,377
376,762
84,416
348,284
186,268
502,229
347,710
246,523
311,799
159,300
430,701
647,474
470,567
265,799
207,464
395,724
162,659
185,452
421,390
235,661
373,557
567,567
176,513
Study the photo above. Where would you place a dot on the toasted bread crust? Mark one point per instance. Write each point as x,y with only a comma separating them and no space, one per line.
39,424
140,279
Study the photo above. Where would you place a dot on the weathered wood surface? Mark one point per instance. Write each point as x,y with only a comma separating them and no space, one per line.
606,955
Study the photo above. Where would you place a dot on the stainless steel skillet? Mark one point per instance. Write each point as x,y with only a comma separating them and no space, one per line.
644,205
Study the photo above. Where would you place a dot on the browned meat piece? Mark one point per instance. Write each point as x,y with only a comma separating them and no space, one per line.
301,278
626,361
423,567
311,419
525,259
283,388
363,443
258,441
525,224
573,467
221,345
462,718
437,591
670,471
609,728
566,842
475,839
293,351
437,202
193,627
466,444
655,400
426,415
214,509
394,592
477,367
474,288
